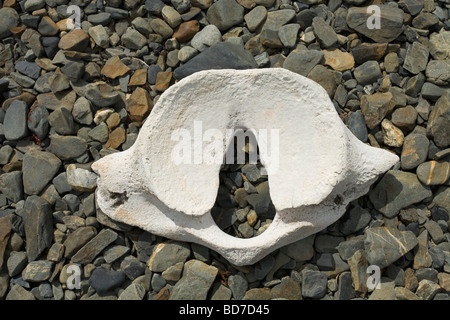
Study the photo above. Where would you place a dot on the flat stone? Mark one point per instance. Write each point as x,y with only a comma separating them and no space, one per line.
154,6
38,169
77,239
37,271
207,37
278,18
17,292
61,120
133,39
238,285
16,262
375,107
96,245
186,53
439,121
5,232
82,112
439,44
367,73
314,284
15,121
224,55
391,18
67,147
416,58
168,254
404,190
101,94
357,126
38,225
288,289
161,28
38,121
345,287
424,20
327,78
225,13
385,292
11,185
354,220
30,69
288,34
338,60
358,267
171,16
415,151
302,62
435,231
438,72
103,280
47,27
383,245
81,179
195,282
348,248
324,33
133,292
255,18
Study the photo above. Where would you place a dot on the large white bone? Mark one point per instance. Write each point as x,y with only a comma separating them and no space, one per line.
321,167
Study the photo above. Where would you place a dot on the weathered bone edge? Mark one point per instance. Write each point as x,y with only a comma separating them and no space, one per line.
322,165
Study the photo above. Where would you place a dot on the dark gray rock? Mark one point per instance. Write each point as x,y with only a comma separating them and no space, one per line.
224,55
103,280
9,18
383,245
30,69
314,284
38,168
416,59
397,190
391,20
324,33
77,239
354,220
439,121
61,184
67,147
62,121
96,245
238,285
38,121
132,267
357,125
327,243
415,151
11,185
16,262
225,13
152,72
196,281
15,122
154,6
431,91
302,62
38,223
367,73
345,287
263,267
347,248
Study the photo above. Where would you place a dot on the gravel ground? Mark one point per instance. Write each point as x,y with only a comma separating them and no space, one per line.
70,97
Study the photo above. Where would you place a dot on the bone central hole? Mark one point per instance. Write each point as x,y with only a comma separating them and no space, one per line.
243,206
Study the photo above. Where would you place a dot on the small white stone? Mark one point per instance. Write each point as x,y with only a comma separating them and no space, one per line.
81,179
